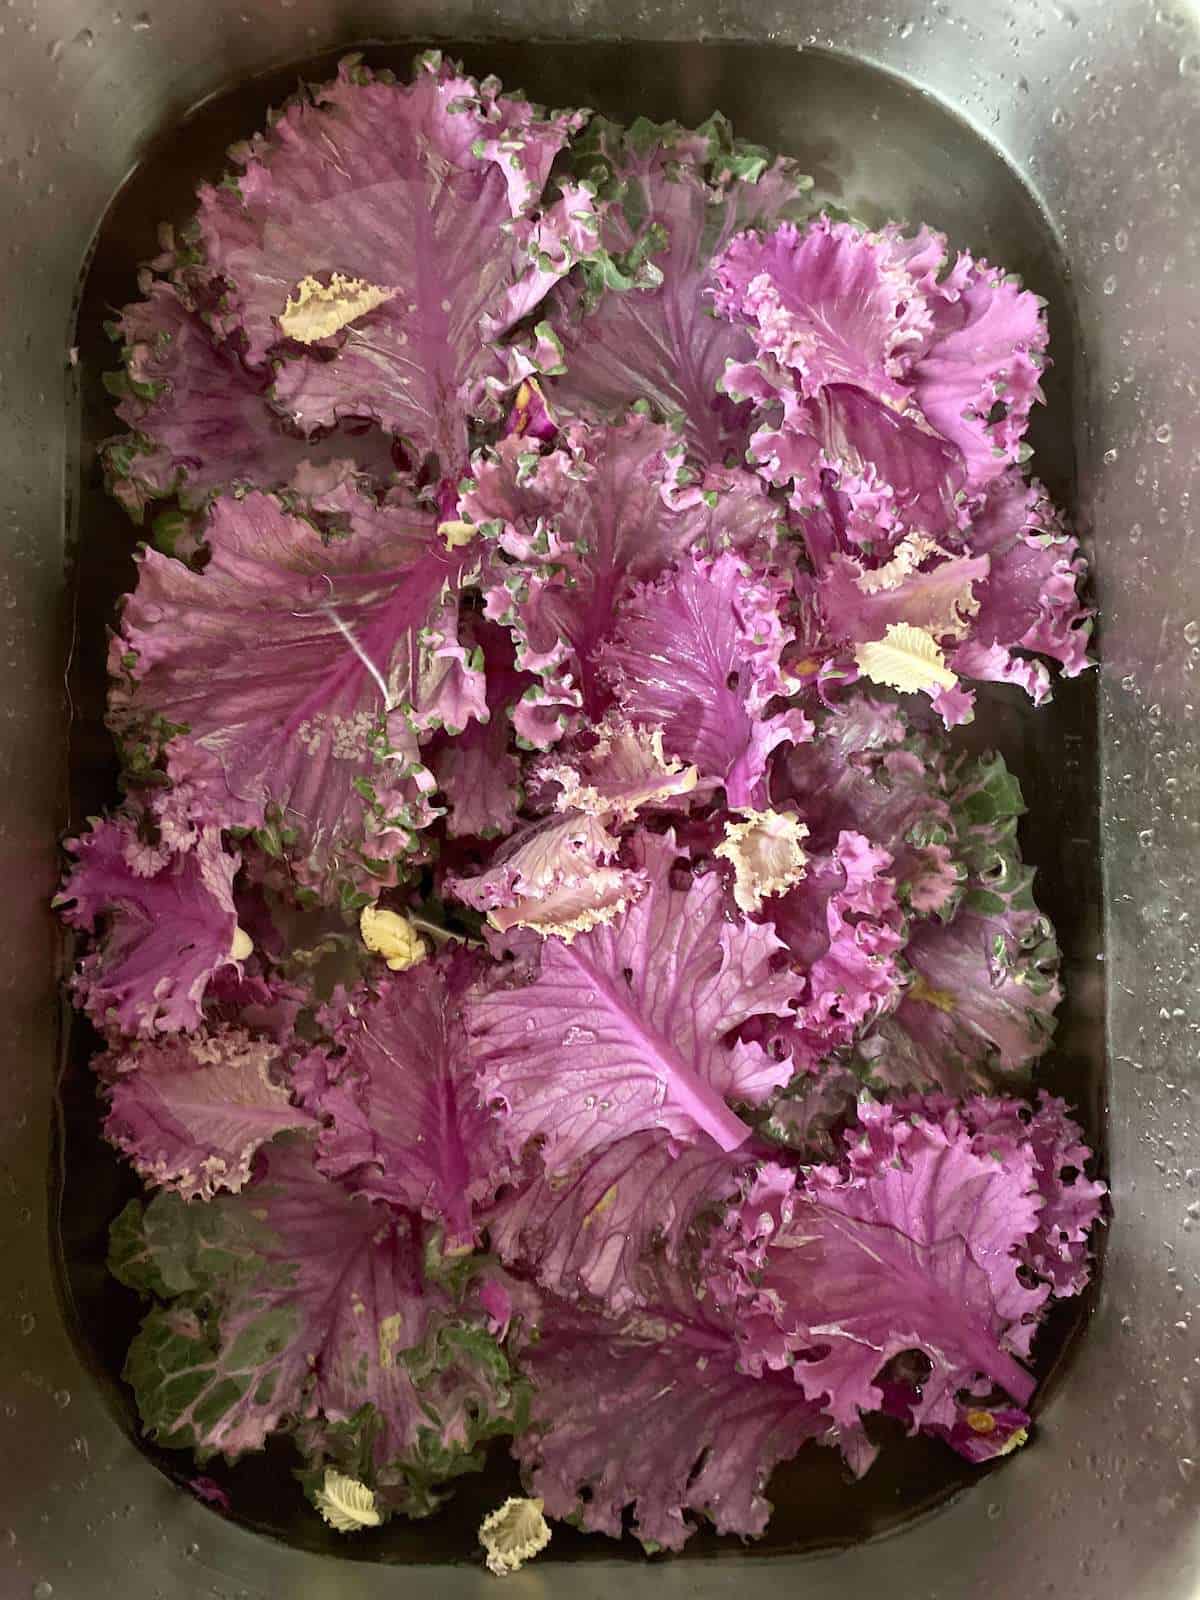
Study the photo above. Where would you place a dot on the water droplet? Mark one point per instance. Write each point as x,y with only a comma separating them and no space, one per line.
192,1551
141,22
1163,433
905,30
1109,286
28,1322
1189,64
10,1537
1121,240
994,1510
1109,457
1191,632
1058,116
62,1398
1146,837
576,1035
43,1590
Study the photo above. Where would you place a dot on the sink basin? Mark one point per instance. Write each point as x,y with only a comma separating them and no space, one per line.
1050,139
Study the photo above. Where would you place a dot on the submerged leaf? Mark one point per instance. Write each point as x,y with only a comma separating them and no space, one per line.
653,1410
431,188
296,1303
676,198
627,1028
163,921
299,672
191,1112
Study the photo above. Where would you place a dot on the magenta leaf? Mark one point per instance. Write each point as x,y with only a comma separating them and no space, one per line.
651,1410
850,313
861,602
913,1245
829,302
907,1170
985,984
677,198
405,1123
556,876
211,1493
1029,600
616,770
979,373
698,654
190,1113
297,1303
1017,592
477,769
582,522
868,770
589,1231
267,1007
624,1029
981,1433
427,194
559,875
162,923
299,671
876,472
1058,1249
479,775
202,422
843,928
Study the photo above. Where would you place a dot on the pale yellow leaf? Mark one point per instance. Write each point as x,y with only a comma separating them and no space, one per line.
346,1504
513,1535
767,855
906,658
457,533
320,309
388,934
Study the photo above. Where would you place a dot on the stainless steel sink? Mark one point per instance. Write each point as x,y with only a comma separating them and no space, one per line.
1057,139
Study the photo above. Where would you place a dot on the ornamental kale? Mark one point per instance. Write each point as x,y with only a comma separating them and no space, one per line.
558,977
